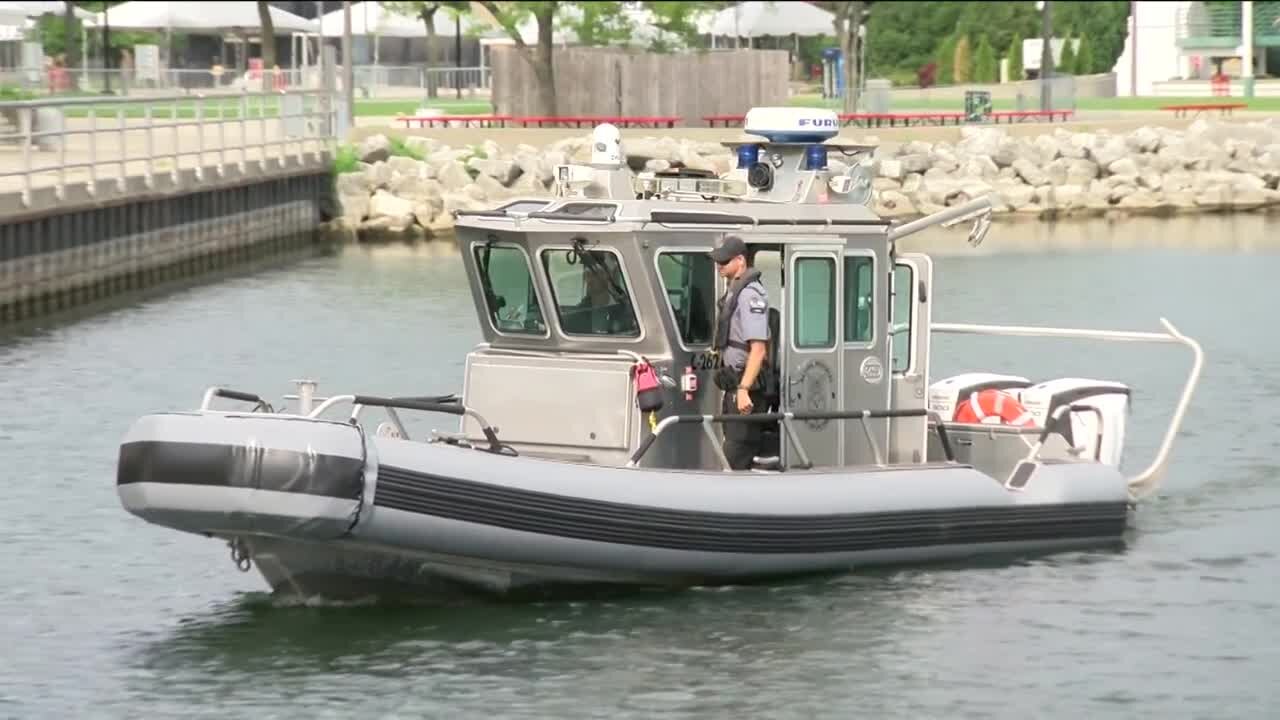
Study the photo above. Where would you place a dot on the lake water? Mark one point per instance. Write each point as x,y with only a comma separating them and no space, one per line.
105,616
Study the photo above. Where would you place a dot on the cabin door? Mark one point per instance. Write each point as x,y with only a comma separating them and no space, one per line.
911,286
812,369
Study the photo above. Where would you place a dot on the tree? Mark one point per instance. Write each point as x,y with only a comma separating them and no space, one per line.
1015,58
426,12
596,23
984,63
1084,58
268,36
963,68
1105,23
70,26
1067,61
947,61
849,17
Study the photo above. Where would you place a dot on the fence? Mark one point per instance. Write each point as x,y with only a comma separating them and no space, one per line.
371,81
616,82
51,143
1025,92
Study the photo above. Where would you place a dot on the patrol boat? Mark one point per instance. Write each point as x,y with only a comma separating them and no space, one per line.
585,447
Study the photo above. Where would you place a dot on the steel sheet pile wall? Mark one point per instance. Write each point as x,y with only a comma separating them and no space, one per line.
70,255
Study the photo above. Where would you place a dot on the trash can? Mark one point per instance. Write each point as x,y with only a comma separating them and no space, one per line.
875,99
977,105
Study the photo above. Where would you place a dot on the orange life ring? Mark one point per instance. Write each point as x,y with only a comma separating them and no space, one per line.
993,407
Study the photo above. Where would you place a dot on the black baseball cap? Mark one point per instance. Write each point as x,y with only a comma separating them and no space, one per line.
732,247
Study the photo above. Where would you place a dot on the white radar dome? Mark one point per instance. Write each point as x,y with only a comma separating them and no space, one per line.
606,146
792,124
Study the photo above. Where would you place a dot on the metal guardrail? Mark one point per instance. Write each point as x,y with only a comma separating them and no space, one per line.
61,140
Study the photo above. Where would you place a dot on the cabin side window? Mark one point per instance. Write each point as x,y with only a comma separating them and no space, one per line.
689,282
904,283
815,302
510,297
590,293
858,298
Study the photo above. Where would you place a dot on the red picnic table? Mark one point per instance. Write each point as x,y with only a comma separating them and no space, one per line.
466,120
626,121
907,119
1197,108
1028,115
726,120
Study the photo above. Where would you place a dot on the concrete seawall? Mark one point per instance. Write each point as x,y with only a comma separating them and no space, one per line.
57,254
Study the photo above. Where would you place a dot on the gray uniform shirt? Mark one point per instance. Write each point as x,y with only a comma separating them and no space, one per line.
750,322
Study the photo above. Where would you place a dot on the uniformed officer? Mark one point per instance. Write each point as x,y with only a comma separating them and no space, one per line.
742,332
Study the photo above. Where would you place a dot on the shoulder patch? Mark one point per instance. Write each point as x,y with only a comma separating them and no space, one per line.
758,305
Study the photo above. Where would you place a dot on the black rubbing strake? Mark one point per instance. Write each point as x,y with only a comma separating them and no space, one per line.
595,520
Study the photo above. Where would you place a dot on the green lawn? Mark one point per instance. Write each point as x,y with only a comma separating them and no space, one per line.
1267,104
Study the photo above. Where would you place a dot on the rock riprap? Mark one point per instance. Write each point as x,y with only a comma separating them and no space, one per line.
1211,166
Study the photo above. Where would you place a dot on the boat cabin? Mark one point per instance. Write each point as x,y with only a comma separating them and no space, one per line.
574,293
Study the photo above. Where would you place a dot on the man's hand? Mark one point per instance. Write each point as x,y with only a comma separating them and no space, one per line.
744,402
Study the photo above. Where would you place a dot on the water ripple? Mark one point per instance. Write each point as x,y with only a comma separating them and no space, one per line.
122,619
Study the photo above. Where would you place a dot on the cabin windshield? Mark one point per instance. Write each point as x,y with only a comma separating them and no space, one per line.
590,292
689,281
509,294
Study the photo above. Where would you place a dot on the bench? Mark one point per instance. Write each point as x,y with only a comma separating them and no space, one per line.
1028,115
1197,108
465,120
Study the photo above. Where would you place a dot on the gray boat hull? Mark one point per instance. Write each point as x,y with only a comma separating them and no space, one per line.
325,509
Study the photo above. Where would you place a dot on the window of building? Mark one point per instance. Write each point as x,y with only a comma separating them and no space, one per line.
689,281
510,296
590,293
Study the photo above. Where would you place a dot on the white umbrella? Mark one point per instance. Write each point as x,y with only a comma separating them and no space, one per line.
196,17
757,18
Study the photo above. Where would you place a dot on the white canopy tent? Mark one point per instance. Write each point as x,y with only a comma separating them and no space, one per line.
201,17
756,19
36,8
12,15
371,18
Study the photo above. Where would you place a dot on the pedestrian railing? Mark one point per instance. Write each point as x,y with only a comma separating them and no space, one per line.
53,142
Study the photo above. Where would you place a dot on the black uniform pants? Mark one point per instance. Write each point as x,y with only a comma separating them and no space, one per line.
742,440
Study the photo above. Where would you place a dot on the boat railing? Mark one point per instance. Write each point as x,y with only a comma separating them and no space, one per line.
360,402
1145,482
785,419
447,404
221,392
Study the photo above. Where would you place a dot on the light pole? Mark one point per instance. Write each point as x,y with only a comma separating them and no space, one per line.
1046,56
348,65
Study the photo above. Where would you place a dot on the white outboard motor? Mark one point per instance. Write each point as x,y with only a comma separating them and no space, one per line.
946,394
1109,399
